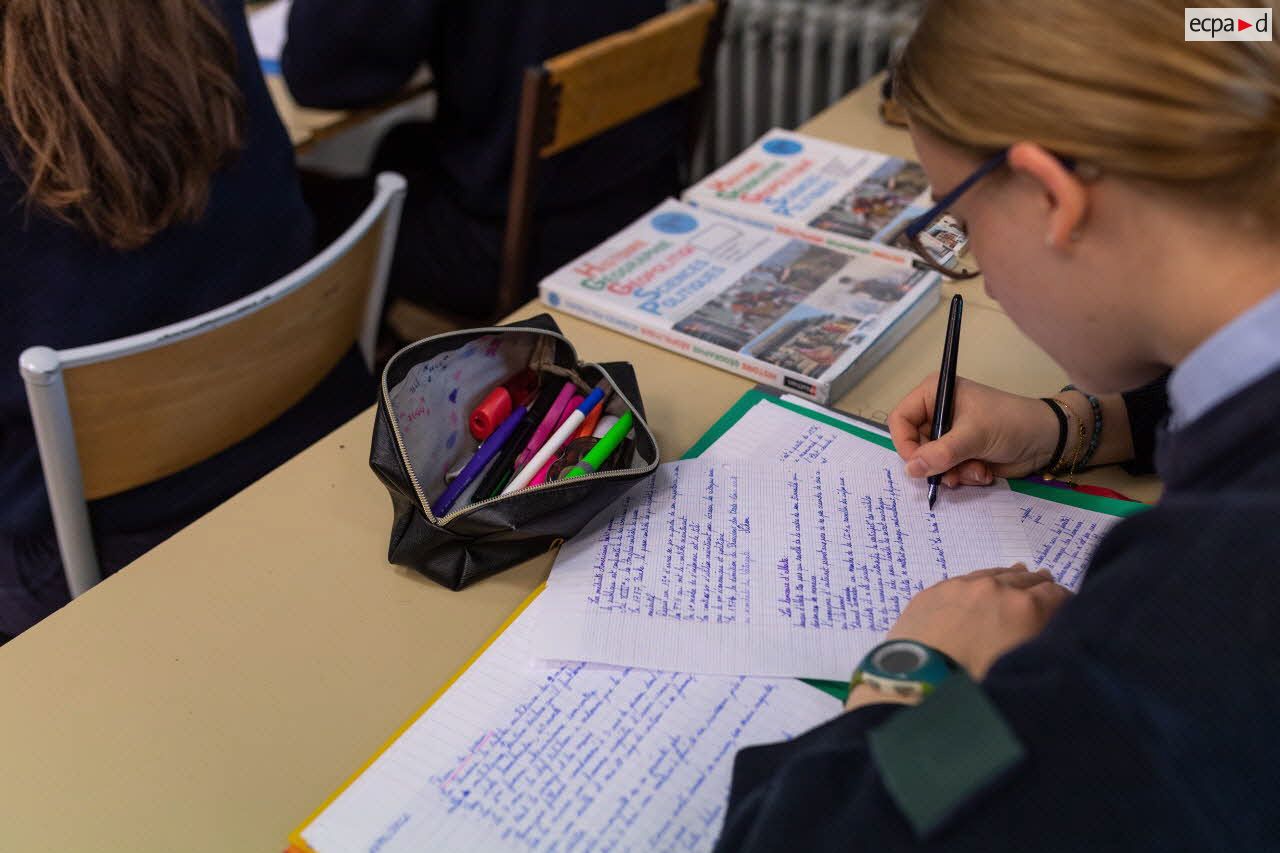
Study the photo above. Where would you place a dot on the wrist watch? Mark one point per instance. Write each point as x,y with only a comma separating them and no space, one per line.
904,668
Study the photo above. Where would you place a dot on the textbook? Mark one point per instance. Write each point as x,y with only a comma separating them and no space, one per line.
794,311
787,180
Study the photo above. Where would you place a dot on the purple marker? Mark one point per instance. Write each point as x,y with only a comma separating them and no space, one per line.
482,457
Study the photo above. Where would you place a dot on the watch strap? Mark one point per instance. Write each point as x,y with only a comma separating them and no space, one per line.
937,756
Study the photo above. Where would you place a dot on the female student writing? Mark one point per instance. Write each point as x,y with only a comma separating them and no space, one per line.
1125,222
145,178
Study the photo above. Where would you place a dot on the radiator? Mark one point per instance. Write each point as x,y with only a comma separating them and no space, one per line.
782,61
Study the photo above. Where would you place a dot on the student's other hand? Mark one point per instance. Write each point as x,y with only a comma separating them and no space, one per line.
975,618
993,434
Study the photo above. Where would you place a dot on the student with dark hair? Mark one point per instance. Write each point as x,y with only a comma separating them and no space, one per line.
1123,213
145,179
342,54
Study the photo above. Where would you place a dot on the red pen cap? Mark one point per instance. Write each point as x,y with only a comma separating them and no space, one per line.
498,403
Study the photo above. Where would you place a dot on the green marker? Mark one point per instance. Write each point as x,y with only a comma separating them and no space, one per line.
605,446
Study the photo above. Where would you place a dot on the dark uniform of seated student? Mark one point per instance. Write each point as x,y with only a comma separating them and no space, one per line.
1129,231
342,54
146,179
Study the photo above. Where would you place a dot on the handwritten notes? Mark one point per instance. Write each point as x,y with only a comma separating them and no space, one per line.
1061,538
762,569
520,757
770,431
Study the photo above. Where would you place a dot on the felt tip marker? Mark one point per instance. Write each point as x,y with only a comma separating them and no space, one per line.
553,444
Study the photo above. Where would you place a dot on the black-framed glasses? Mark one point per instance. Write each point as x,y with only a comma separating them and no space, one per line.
938,237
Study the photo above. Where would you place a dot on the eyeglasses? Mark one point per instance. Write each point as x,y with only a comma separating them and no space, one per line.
938,236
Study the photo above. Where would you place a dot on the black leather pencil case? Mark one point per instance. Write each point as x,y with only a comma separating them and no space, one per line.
420,433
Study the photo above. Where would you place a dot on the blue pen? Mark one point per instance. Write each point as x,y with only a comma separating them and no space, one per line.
483,457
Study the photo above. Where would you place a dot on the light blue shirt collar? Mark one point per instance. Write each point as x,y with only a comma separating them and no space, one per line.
1231,359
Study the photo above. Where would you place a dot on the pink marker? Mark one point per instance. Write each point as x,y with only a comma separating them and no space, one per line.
541,476
553,444
549,422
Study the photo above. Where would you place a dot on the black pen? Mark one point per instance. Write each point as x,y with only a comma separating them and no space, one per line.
944,401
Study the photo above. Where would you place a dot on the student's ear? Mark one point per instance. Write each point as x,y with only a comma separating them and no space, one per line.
1065,194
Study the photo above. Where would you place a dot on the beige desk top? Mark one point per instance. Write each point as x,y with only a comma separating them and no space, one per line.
211,695
306,125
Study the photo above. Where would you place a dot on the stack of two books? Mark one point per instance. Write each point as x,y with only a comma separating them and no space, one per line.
780,266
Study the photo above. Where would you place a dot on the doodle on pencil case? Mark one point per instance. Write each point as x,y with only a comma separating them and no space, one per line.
444,389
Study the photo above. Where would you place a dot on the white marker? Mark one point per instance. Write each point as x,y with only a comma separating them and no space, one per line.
553,445
605,424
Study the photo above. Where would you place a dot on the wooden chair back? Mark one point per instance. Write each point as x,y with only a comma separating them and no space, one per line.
580,94
114,416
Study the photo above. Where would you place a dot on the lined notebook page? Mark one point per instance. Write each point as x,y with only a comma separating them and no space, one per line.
763,568
769,431
1060,537
516,756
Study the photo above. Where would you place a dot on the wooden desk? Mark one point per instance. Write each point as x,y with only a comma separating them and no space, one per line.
306,125
211,695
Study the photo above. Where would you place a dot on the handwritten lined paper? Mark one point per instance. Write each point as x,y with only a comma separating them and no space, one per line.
515,756
772,432
762,569
1061,538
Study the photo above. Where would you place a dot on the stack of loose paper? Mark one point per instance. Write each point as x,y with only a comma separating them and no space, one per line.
795,563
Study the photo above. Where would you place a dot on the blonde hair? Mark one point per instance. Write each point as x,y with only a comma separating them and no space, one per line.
1109,83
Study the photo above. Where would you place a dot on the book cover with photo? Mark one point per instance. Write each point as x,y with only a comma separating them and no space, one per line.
793,311
787,179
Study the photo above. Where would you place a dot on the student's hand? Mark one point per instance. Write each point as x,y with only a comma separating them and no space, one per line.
993,434
975,618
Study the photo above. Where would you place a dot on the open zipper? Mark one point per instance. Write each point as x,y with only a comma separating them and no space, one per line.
598,475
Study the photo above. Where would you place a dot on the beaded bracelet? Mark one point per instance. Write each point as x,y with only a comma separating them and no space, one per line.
1056,459
1097,423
